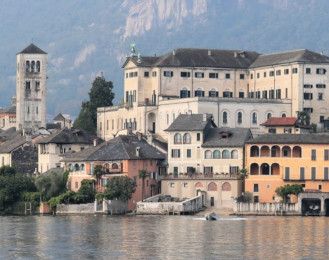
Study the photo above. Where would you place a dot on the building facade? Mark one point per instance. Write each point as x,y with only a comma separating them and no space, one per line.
241,89
273,160
31,88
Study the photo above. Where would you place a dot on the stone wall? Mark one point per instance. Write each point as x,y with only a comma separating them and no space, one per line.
266,208
88,208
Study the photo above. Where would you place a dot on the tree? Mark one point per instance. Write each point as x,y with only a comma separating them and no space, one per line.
7,170
100,95
286,190
303,118
120,187
98,172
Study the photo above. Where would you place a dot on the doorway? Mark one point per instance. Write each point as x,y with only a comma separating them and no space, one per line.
212,201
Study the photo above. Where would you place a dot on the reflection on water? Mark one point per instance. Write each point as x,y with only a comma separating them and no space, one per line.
163,237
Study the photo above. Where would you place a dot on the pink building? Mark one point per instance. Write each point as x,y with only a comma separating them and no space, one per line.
125,155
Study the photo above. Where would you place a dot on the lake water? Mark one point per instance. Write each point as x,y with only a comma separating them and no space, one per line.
163,237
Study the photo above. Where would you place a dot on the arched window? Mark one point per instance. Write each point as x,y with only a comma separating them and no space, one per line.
38,66
284,115
239,119
224,117
208,154
82,167
27,66
115,166
184,93
212,186
199,93
32,66
254,118
234,154
226,154
216,154
198,185
269,115
286,151
226,186
213,93
76,167
254,169
177,138
254,151
187,138
297,151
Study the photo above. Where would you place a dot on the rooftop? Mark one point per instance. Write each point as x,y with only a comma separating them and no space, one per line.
191,122
291,139
122,147
12,143
280,121
68,136
32,49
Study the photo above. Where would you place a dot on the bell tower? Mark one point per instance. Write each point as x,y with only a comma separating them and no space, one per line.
31,87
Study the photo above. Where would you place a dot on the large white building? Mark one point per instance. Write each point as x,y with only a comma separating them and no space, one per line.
239,88
31,88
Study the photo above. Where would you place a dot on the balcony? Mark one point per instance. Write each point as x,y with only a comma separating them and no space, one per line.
219,176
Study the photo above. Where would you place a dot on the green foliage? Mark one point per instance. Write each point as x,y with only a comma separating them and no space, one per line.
286,190
12,187
98,171
7,170
142,174
86,194
246,197
29,196
51,184
100,95
303,118
120,187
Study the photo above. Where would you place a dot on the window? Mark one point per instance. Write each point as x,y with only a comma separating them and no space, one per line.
199,93
278,72
320,96
278,94
188,153
321,119
177,138
241,76
227,94
254,118
313,173
135,74
239,120
269,115
175,153
187,138
271,94
308,86
213,75
37,86
127,75
308,110
286,71
321,71
168,73
271,73
320,85
227,75
264,94
226,154
154,73
257,94
213,93
302,173
308,70
184,93
199,75
294,70
256,188
198,136
308,96
326,173
258,75
326,155
313,154
272,130
216,154
146,74
37,110
286,173
241,94
207,154
251,76
224,117
264,75
185,74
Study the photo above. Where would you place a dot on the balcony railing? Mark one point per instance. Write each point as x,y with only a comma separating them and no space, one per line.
204,176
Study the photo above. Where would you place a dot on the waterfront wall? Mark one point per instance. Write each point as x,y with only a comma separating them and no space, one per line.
153,206
87,208
266,208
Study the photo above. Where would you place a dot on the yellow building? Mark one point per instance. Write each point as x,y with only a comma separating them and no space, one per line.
273,160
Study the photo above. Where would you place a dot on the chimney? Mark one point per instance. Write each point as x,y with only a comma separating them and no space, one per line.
174,52
209,52
95,142
137,151
204,117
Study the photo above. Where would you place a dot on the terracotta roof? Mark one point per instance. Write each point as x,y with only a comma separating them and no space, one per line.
280,121
32,49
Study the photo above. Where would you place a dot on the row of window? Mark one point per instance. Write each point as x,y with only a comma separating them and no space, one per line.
271,73
309,96
199,74
217,154
302,173
32,66
316,85
268,94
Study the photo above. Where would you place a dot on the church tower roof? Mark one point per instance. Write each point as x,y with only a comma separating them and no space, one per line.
32,49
